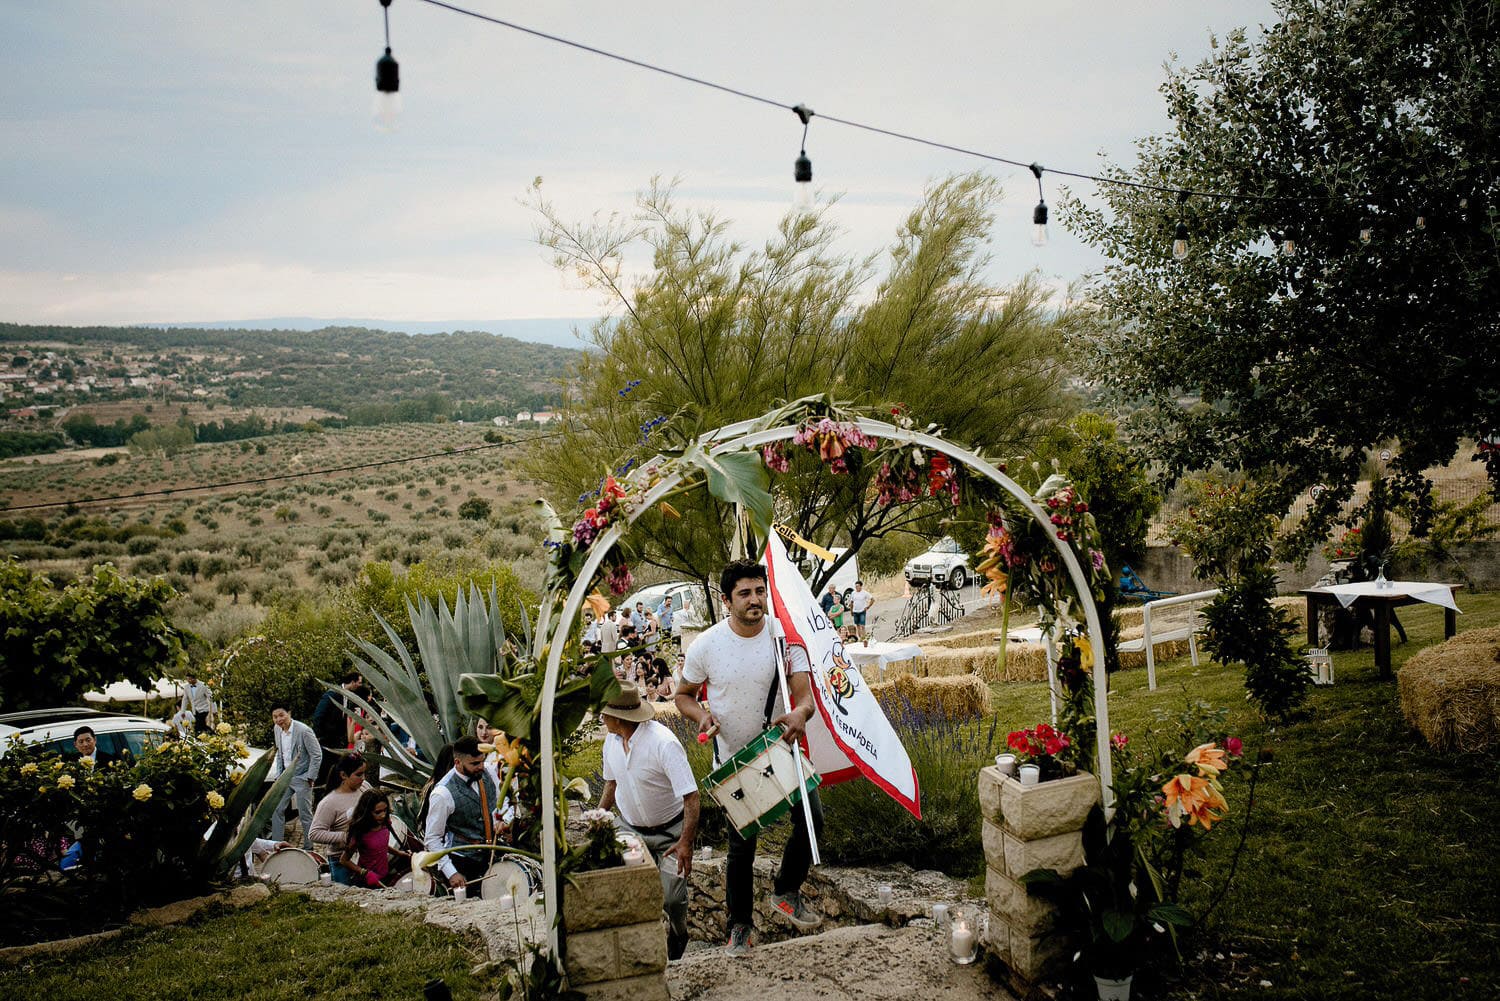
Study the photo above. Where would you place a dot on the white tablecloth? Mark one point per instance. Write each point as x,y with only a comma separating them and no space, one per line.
1435,594
880,654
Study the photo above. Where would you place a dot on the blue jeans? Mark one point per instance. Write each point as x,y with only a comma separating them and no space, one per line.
340,874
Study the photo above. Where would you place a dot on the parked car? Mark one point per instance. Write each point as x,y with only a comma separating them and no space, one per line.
945,565
115,732
682,593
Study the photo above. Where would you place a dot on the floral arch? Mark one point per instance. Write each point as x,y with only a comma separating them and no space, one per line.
728,462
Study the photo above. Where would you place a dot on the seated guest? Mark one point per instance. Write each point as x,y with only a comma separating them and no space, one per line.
367,852
330,821
461,811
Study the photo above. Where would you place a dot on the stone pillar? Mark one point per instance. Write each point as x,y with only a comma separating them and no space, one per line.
615,942
1025,828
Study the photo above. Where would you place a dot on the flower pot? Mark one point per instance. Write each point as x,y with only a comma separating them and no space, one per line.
1052,807
1113,990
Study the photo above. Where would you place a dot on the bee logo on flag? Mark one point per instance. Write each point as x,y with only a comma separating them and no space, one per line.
841,679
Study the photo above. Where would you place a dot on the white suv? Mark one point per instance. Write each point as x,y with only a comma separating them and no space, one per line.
54,728
945,565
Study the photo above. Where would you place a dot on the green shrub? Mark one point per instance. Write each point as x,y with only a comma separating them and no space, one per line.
864,826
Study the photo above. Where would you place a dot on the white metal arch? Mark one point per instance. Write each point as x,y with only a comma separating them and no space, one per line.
742,436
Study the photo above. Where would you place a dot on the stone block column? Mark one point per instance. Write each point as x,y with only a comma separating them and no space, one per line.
615,942
1026,828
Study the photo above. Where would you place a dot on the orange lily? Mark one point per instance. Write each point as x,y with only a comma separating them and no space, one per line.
1207,758
1194,798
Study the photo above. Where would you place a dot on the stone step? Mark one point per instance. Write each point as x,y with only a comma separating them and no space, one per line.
866,962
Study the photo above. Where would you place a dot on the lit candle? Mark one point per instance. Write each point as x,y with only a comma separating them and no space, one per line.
1030,775
460,893
634,856
1007,764
507,902
885,894
961,944
705,853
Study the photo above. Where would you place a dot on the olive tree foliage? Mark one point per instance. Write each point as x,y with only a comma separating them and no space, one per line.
715,333
1368,132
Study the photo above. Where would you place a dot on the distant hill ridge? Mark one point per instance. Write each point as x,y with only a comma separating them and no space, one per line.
338,368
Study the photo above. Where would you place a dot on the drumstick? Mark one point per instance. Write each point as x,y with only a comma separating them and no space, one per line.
712,731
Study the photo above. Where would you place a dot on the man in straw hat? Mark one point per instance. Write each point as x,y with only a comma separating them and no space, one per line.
648,779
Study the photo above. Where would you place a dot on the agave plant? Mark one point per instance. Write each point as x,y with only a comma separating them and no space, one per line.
468,638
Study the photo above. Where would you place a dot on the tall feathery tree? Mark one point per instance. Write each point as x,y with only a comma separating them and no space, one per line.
1368,132
714,333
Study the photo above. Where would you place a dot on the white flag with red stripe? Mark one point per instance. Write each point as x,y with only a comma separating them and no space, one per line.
849,735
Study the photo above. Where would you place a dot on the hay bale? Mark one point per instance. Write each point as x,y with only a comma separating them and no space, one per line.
1451,692
1129,616
956,697
973,638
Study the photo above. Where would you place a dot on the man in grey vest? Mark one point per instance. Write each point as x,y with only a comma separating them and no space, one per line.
461,811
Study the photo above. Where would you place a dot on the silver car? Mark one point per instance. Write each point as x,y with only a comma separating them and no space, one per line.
944,565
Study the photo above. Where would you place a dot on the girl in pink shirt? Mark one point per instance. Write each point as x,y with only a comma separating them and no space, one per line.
367,853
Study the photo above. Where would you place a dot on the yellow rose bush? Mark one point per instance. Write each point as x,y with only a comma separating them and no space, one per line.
140,825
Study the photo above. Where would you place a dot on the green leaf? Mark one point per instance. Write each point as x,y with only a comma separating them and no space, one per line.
738,478
1171,914
1118,925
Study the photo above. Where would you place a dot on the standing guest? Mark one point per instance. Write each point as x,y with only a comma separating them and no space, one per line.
86,745
199,700
830,598
591,634
296,749
668,619
461,811
737,659
837,614
333,728
653,631
638,618
367,851
609,633
330,822
647,776
859,603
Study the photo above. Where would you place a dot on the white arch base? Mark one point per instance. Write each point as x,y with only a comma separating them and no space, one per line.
739,437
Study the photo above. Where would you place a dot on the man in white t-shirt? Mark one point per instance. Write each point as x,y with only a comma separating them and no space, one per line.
737,660
648,779
859,603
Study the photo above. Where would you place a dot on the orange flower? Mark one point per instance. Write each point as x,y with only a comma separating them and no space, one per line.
1195,798
1207,758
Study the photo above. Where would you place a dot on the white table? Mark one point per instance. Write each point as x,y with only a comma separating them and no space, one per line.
880,654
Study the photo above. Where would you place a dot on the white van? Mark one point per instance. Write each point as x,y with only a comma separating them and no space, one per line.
843,580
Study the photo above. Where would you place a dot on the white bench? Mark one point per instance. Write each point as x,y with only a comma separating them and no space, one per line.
1175,631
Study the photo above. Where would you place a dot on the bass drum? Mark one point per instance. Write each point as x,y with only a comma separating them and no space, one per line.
505,877
291,866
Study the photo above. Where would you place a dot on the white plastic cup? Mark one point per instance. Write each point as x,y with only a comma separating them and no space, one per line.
940,915
325,878
705,853
1030,775
668,864
886,893
507,903
1006,763
460,893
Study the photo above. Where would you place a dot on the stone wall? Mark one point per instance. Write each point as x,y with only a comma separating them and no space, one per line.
843,895
615,947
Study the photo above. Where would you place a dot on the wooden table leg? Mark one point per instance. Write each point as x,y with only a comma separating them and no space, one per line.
1450,623
1383,638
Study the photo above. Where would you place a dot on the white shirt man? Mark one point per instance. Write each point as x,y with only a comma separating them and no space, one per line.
648,778
737,660
199,700
609,633
859,603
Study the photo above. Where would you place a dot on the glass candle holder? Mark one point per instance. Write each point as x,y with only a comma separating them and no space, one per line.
1006,763
963,936
634,856
940,917
1030,775
886,893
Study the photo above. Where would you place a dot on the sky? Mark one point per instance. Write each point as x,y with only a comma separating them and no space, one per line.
213,161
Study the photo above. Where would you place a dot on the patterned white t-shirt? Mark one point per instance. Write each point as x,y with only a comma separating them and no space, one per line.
739,672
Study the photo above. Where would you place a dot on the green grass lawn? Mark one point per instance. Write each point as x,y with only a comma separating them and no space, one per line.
1370,866
286,949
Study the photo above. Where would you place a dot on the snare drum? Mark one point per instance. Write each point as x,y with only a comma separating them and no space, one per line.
505,878
291,866
758,785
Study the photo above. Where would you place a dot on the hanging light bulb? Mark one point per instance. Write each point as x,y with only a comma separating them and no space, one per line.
1288,246
1180,240
1421,221
1366,233
802,168
1039,214
387,107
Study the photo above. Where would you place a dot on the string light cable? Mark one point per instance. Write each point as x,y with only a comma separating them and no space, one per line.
799,110
257,480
